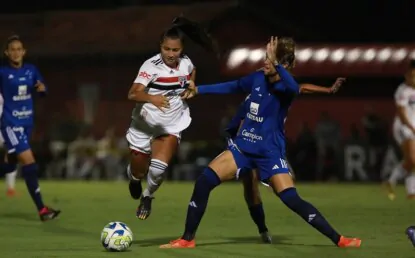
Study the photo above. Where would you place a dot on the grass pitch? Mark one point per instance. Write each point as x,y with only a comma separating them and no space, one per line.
226,231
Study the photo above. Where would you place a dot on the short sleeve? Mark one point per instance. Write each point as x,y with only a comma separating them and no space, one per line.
37,75
401,97
191,66
146,74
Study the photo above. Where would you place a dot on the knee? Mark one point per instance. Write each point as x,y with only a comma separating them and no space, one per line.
290,197
208,178
29,170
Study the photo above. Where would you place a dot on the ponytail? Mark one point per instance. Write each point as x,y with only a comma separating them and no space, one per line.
182,26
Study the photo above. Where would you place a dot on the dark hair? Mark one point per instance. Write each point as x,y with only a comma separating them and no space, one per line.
286,51
10,40
182,26
412,64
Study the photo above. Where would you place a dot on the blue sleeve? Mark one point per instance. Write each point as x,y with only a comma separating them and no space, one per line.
244,84
288,82
233,125
38,77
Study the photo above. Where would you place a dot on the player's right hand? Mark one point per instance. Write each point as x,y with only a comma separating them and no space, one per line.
160,101
337,84
190,92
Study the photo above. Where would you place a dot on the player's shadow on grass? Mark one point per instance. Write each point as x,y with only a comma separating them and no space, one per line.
116,252
224,241
58,229
21,216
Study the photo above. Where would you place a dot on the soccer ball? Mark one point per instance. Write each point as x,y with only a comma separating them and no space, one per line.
116,236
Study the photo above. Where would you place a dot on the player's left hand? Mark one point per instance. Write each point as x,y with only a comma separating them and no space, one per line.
337,84
190,92
40,87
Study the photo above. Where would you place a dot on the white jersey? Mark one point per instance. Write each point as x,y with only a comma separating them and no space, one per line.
1,113
405,97
158,78
1,104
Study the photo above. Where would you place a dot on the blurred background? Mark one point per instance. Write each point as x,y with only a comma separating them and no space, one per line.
89,53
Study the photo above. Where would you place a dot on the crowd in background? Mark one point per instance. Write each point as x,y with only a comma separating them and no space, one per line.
71,151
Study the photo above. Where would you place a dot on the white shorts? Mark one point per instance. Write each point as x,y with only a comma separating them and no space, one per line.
141,141
402,132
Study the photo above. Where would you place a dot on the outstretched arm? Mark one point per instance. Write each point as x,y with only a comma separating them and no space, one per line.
244,84
238,86
311,88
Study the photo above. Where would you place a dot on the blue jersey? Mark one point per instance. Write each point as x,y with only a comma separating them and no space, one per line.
266,109
233,125
17,86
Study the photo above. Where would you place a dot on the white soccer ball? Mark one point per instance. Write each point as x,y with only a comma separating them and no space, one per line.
116,236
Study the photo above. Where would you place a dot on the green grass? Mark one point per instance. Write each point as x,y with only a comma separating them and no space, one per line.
226,230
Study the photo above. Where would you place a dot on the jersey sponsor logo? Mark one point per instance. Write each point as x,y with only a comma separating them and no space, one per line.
251,136
22,93
144,75
21,114
173,93
21,98
258,119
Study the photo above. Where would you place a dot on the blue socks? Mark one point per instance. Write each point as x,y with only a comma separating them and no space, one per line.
205,183
29,173
6,168
258,216
309,213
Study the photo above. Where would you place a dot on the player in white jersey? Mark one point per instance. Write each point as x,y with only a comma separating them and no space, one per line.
160,114
404,134
10,178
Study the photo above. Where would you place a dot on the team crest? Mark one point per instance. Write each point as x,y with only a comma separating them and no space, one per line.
182,81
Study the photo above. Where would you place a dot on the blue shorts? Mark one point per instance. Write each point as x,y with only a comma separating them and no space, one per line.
16,138
267,166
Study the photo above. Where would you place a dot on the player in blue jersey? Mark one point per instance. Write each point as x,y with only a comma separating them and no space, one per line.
259,144
250,179
18,82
